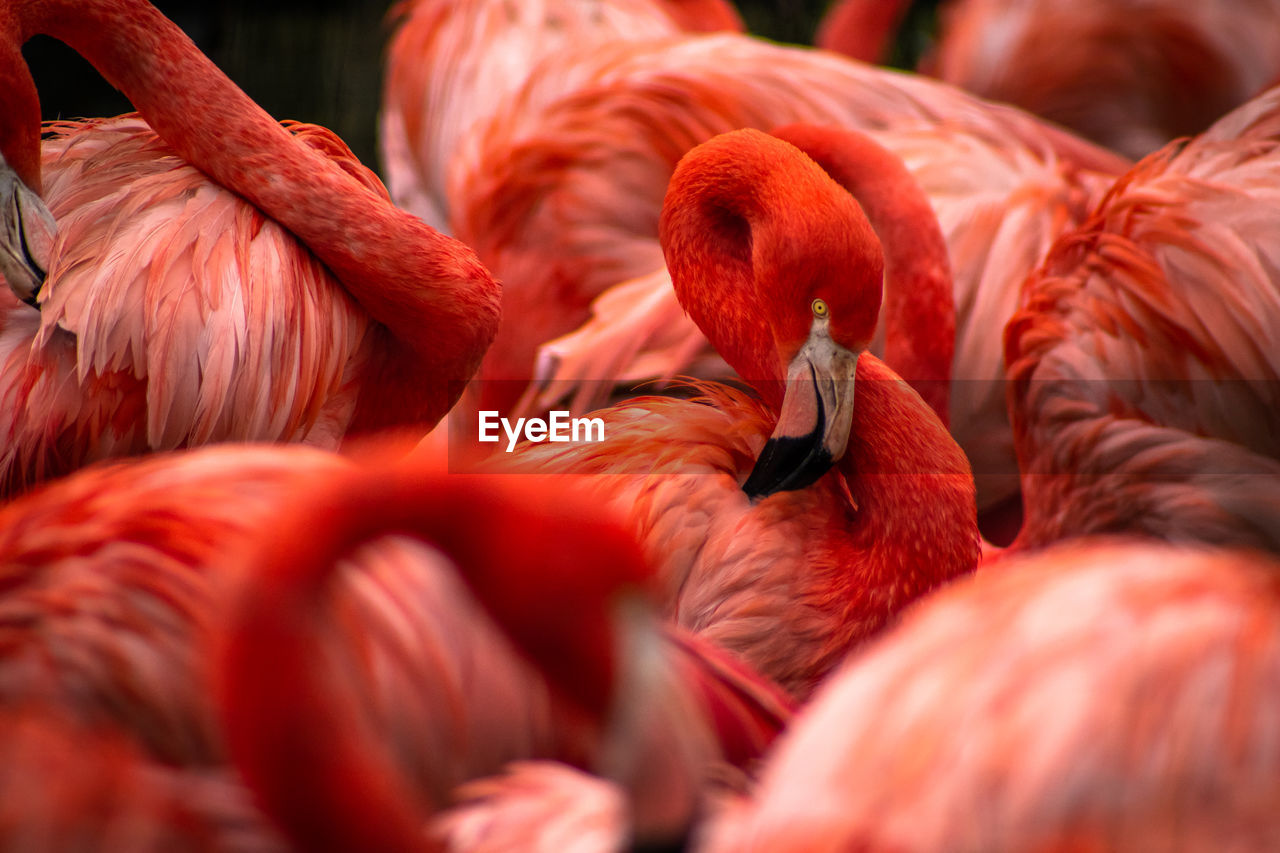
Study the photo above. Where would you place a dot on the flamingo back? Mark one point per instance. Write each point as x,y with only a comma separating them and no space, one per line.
174,314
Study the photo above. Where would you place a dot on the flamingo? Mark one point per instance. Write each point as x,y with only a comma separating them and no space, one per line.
188,293
1143,376
112,578
67,785
780,269
441,78
1107,695
563,577
562,202
1130,75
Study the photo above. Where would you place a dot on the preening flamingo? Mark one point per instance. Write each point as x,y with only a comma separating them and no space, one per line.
112,578
173,311
1144,376
778,266
557,580
562,202
1112,696
442,76
1128,74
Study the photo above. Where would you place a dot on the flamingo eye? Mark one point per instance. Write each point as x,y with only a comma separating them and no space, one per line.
819,308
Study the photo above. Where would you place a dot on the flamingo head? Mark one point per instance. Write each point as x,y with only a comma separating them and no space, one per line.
779,267
27,228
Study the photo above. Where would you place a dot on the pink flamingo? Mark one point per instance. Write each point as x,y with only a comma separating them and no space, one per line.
442,79
69,785
565,580
562,202
1096,696
1144,389
1098,693
113,577
1128,74
780,269
172,310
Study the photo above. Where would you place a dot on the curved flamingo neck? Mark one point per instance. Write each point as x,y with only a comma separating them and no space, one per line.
427,289
748,224
861,29
544,580
912,486
919,312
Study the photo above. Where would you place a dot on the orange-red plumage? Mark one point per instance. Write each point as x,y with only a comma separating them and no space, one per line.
753,232
1143,386
214,277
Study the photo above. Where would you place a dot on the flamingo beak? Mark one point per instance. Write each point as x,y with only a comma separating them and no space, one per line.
27,230
817,413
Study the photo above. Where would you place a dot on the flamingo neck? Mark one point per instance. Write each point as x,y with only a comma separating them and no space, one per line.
911,484
861,29
918,312
428,290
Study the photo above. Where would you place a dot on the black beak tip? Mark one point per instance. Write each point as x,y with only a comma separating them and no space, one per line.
788,464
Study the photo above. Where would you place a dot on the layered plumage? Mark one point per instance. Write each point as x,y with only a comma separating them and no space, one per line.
1143,370
451,65
115,576
1110,696
1130,75
562,203
791,581
565,581
217,279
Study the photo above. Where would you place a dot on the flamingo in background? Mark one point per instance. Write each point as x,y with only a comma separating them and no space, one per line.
565,581
1128,74
172,310
779,267
1144,378
1096,696
442,79
562,202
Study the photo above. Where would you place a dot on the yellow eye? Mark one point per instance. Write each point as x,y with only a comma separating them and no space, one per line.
819,308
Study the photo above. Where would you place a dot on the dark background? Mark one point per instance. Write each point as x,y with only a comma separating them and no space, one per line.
321,60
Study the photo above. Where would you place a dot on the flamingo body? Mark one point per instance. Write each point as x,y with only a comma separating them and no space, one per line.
184,297
1143,388
1095,696
563,201
852,548
442,80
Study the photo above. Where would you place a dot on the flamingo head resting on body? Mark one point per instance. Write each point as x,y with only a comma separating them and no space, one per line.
779,267
27,228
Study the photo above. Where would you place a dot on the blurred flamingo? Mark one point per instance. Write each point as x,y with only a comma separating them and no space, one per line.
1108,694
1144,378
776,263
69,785
112,578
442,79
562,202
565,580
1128,74
172,311
1096,696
